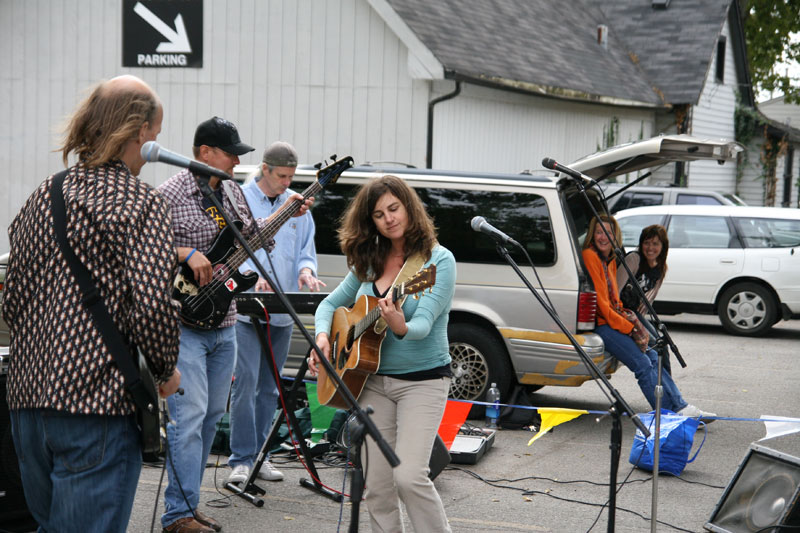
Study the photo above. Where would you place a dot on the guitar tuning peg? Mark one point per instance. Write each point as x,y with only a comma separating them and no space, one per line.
333,157
318,165
416,296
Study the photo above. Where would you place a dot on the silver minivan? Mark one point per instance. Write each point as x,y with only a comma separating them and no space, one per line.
498,331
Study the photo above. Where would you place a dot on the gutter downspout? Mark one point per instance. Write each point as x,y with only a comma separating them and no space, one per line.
429,149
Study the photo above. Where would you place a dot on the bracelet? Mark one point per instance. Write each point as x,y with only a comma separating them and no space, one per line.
190,255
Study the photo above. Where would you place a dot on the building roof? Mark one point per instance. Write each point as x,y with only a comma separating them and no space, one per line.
674,46
654,57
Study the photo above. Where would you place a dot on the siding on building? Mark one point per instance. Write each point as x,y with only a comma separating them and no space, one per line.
329,77
489,130
713,117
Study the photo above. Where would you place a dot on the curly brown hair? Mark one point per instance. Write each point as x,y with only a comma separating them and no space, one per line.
107,119
362,244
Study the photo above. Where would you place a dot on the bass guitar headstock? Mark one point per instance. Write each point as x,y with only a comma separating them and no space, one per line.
331,173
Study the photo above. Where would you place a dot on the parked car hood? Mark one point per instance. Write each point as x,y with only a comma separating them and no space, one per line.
639,155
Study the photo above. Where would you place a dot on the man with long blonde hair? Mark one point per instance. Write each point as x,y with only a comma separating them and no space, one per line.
72,420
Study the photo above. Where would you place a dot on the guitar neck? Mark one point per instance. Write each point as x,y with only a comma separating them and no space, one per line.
374,314
265,234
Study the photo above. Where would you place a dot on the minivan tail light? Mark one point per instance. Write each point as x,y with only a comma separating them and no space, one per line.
587,310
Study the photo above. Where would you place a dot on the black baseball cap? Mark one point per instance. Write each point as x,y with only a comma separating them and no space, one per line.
222,134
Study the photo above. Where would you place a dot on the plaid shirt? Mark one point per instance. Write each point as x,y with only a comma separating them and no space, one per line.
119,228
194,228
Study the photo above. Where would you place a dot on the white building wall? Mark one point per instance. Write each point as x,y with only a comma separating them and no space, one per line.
489,130
713,117
778,109
327,76
751,185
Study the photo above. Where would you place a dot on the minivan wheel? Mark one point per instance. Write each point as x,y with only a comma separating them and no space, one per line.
747,309
477,362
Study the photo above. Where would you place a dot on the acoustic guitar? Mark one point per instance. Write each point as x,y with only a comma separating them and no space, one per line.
356,340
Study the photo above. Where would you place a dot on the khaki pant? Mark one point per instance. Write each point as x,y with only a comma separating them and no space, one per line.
408,414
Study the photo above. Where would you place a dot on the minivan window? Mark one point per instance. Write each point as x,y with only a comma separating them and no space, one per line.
699,232
524,217
696,199
769,232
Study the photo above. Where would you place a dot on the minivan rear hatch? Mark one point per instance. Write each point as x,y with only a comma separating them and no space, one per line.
630,157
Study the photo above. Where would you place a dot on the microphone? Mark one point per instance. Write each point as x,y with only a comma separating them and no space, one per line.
553,165
479,224
152,151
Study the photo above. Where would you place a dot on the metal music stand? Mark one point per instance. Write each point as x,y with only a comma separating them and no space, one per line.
248,489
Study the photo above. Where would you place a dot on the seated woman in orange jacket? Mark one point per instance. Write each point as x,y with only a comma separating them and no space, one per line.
613,326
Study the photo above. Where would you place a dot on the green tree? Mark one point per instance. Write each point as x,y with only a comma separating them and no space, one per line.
768,28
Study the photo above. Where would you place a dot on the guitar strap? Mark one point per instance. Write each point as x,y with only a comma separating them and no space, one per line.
412,265
226,186
91,300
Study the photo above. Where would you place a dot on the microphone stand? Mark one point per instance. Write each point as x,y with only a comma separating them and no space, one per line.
361,415
618,403
662,342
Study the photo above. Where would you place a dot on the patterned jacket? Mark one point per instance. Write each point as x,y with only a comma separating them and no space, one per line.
119,228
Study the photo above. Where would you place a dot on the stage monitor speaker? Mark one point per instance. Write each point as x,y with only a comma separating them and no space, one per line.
762,493
440,457
14,514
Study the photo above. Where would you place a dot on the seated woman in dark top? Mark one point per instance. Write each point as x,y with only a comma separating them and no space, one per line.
648,263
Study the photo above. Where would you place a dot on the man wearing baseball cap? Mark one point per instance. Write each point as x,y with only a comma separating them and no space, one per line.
206,357
292,264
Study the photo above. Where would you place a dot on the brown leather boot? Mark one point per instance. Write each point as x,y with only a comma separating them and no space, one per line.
207,520
187,524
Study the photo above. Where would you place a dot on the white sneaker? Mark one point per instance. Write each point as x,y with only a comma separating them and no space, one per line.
269,472
240,474
690,411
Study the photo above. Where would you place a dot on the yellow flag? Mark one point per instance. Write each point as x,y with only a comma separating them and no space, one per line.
553,416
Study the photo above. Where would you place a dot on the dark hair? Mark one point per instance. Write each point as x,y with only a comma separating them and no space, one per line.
656,230
361,242
105,121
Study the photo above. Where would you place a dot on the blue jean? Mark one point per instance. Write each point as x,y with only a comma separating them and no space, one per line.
254,396
205,361
651,329
644,366
79,472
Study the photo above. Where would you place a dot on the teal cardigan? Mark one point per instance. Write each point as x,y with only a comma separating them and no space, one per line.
425,345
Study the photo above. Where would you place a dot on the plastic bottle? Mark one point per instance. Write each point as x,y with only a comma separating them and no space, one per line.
492,411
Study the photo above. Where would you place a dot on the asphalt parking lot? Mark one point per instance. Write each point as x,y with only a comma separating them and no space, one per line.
559,484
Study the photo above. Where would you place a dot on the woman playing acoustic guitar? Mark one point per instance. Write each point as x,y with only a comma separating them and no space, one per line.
384,231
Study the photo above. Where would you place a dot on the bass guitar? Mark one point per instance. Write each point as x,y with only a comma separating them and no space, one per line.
205,307
356,343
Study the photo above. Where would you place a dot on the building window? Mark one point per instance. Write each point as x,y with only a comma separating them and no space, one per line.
721,59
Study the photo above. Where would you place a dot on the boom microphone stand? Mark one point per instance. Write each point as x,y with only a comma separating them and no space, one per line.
360,414
618,403
662,341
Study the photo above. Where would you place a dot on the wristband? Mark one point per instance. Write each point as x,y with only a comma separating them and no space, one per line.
190,255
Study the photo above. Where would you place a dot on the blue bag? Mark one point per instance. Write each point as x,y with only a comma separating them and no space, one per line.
675,442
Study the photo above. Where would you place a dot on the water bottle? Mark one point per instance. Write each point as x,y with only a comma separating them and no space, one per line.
492,411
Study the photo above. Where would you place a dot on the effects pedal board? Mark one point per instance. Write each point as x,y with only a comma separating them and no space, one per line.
468,449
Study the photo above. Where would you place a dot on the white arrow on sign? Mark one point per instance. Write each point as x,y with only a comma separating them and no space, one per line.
178,40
